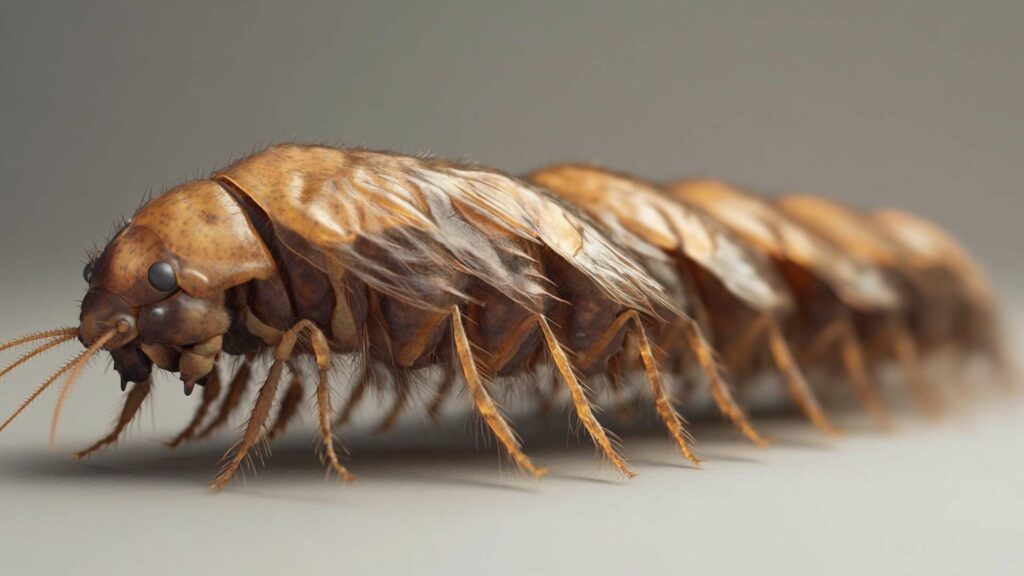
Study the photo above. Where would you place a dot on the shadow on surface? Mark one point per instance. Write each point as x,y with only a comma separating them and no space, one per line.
453,453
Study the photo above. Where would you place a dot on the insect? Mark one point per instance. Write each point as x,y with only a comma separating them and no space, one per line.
309,254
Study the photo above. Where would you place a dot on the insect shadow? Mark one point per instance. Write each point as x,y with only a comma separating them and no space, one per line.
457,454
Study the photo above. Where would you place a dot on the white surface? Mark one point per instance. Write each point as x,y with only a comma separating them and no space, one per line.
941,498
878,104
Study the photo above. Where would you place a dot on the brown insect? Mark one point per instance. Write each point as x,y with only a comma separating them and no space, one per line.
403,264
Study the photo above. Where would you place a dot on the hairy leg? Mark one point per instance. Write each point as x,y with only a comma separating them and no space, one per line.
397,407
132,404
841,333
264,401
441,393
287,409
233,398
485,405
254,428
795,381
662,399
720,390
584,409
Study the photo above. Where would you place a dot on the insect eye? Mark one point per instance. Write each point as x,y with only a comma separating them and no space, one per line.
87,272
162,277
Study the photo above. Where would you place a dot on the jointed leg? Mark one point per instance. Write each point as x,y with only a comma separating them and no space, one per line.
399,404
354,399
265,400
742,350
719,389
484,403
132,403
323,399
366,376
288,408
662,399
211,391
841,332
254,428
910,362
863,385
443,389
797,384
236,390
617,387
584,410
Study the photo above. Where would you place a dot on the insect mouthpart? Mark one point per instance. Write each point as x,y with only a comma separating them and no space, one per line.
131,363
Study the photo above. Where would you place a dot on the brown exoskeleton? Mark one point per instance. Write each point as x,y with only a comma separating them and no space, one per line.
309,252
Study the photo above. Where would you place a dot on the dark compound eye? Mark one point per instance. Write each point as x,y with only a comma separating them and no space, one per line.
161,277
87,272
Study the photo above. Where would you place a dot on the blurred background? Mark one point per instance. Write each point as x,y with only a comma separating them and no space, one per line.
915,105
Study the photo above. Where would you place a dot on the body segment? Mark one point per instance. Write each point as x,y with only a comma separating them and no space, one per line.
394,264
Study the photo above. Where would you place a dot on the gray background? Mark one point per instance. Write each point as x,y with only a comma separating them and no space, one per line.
915,105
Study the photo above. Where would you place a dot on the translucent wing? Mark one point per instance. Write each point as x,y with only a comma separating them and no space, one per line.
647,212
858,284
409,227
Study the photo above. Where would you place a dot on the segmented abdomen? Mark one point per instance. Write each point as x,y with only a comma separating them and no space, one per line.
382,244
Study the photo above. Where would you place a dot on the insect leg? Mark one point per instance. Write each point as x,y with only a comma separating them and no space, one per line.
617,385
719,388
584,410
356,397
132,403
840,332
909,359
740,352
236,390
254,428
362,385
399,404
484,403
323,396
211,391
856,369
795,381
265,400
662,399
441,393
288,408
